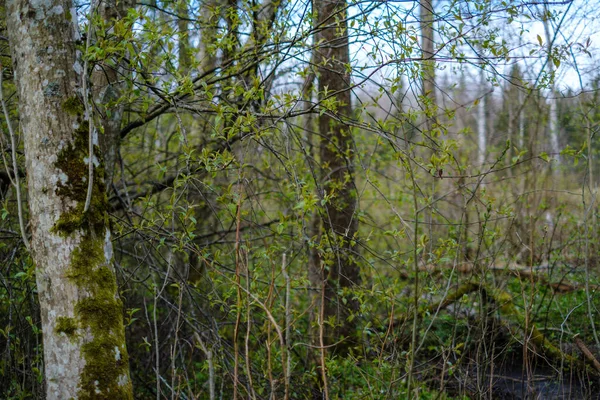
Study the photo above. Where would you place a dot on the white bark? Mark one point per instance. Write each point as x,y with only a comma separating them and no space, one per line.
481,122
83,334
521,120
553,114
553,125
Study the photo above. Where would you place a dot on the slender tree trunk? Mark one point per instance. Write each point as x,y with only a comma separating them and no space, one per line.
108,82
553,114
184,41
84,338
206,57
428,96
509,102
314,225
521,120
336,152
428,64
513,101
482,122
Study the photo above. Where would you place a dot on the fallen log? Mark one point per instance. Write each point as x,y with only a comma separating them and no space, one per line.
510,314
534,273
586,352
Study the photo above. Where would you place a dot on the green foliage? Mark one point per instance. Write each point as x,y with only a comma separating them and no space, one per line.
222,216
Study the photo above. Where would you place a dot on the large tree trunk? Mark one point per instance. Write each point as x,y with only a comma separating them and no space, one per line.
340,220
84,338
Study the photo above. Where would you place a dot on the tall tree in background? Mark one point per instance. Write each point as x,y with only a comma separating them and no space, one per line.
183,39
82,322
428,64
205,57
340,271
108,83
553,113
481,119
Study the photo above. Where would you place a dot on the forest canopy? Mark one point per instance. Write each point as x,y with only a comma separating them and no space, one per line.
321,199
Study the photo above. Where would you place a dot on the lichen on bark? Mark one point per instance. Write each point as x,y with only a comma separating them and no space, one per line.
83,332
73,162
99,313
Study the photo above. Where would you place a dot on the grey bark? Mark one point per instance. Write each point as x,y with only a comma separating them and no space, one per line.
482,121
553,113
108,82
83,333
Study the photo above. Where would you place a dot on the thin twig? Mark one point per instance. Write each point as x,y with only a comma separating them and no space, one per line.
88,111
322,342
239,300
248,329
211,366
288,323
14,162
174,350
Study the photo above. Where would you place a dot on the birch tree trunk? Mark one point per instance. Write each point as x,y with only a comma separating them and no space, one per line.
482,121
553,114
521,120
336,151
84,338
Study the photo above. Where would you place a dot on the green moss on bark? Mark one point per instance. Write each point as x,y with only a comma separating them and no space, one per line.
73,105
72,162
66,325
99,312
106,371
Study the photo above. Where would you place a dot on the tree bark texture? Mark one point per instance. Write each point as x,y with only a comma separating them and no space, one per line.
336,152
82,321
184,40
108,82
428,64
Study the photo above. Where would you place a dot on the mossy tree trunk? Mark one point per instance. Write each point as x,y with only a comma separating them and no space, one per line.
82,321
340,271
